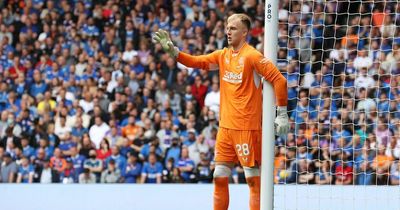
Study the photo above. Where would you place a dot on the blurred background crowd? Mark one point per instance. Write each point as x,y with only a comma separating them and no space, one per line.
86,97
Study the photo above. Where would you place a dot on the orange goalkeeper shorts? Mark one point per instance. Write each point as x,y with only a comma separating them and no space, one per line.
242,146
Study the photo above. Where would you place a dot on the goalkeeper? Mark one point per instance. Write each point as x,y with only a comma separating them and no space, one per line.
241,68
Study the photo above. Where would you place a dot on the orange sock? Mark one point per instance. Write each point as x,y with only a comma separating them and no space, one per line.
221,193
254,185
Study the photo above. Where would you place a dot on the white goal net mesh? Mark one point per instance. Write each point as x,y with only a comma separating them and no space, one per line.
342,63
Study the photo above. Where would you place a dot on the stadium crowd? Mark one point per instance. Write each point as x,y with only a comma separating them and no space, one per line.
86,97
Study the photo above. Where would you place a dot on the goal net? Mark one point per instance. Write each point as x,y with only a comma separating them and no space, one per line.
342,62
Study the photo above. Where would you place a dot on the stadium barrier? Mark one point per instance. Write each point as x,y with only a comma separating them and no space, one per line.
191,197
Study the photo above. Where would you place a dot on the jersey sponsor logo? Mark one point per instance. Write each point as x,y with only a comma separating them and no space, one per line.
233,77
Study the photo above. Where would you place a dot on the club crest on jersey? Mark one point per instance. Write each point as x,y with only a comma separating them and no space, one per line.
226,60
233,77
241,61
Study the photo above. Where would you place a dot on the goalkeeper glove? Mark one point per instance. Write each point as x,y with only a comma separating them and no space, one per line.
281,121
162,37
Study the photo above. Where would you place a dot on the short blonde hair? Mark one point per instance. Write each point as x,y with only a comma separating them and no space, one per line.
245,19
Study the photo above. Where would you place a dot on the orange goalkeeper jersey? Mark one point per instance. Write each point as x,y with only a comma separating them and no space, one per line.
240,84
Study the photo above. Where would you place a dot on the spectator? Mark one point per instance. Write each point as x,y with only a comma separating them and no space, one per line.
94,164
38,87
114,136
126,147
38,159
305,177
365,103
291,175
57,162
151,171
27,150
112,174
395,173
152,147
381,165
199,91
180,85
9,169
129,52
344,173
203,170
140,138
86,145
78,130
362,60
191,137
119,160
166,134
77,161
53,139
46,102
324,174
15,128
25,171
186,165
98,131
105,151
79,114
167,172
87,177
162,93
3,121
45,174
176,176
197,148
363,80
133,169
213,137
206,122
86,103
69,174
173,152
130,131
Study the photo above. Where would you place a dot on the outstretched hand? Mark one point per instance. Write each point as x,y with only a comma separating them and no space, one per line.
162,37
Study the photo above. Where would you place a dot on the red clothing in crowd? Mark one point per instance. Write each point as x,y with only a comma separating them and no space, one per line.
15,71
102,154
199,93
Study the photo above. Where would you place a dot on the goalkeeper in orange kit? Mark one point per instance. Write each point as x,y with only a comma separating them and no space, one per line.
241,68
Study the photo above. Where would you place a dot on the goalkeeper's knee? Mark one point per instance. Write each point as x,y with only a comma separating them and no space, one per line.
251,172
222,171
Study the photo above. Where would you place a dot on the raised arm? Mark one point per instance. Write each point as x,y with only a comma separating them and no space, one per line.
207,62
